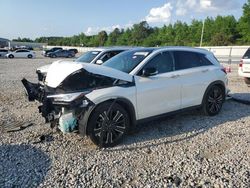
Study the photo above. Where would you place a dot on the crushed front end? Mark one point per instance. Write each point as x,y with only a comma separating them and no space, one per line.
63,94
60,109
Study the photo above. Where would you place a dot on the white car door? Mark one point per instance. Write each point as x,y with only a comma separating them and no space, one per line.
17,53
161,92
195,74
21,53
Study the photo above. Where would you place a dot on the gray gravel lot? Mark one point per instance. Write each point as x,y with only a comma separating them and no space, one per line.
186,150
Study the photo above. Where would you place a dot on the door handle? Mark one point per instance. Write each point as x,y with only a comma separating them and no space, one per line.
175,76
205,70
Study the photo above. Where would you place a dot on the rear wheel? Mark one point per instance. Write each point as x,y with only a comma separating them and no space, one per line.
213,101
108,124
247,81
30,56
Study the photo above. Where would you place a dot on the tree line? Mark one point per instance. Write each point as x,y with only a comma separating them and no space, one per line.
218,31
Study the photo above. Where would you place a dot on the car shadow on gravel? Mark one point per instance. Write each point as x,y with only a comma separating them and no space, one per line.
22,166
181,127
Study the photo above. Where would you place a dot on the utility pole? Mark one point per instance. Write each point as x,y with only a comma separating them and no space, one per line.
202,32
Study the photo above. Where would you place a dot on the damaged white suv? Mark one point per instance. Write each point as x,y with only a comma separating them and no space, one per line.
104,102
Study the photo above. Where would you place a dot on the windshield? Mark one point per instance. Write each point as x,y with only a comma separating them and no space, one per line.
127,61
88,56
247,54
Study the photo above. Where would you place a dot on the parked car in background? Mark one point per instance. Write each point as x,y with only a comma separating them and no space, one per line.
100,55
244,67
14,48
95,56
45,52
21,54
73,50
104,102
61,53
3,52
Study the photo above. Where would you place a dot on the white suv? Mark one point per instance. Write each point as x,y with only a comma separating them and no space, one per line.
244,67
104,102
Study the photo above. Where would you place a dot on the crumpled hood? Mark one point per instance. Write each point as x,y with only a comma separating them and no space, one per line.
45,68
57,72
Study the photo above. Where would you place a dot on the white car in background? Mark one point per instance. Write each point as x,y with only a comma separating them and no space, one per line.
104,102
22,53
244,67
95,56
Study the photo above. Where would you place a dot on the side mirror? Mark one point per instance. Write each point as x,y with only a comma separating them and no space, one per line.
150,71
99,62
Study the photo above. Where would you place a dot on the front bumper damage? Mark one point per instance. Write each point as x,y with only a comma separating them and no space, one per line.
63,115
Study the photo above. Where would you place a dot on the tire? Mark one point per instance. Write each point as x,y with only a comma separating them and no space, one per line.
213,100
53,56
107,126
70,56
30,56
247,81
11,56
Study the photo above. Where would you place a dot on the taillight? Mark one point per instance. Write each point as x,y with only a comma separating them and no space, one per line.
241,63
224,69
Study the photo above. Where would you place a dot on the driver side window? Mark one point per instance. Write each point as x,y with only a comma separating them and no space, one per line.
162,62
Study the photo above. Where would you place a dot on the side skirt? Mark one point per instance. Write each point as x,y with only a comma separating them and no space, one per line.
167,114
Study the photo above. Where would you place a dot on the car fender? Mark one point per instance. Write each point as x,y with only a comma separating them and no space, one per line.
87,112
217,82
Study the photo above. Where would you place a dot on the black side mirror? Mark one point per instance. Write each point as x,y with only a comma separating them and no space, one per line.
150,71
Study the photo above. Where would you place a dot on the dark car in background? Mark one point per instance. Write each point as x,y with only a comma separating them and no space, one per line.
14,48
61,53
73,50
45,52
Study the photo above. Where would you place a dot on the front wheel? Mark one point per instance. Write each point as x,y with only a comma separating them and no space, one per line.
213,100
247,81
11,56
108,124
30,56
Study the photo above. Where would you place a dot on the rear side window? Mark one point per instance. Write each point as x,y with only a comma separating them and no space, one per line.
162,62
204,61
3,50
22,51
186,60
247,54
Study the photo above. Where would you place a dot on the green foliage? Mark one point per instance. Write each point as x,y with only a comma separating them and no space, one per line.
222,30
23,40
244,24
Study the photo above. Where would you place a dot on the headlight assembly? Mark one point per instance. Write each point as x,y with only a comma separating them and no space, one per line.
70,97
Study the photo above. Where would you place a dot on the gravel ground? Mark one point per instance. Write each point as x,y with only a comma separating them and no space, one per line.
186,150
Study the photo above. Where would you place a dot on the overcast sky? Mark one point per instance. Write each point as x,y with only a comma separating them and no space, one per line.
33,18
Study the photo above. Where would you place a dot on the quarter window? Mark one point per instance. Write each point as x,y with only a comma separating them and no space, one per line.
185,60
163,62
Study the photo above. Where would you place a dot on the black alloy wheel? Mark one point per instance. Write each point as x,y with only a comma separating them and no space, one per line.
213,101
108,124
